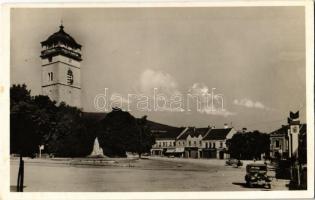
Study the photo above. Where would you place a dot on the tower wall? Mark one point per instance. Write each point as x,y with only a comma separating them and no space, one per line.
70,95
51,91
61,59
58,89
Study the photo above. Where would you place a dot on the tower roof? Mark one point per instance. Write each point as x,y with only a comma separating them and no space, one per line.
218,134
61,37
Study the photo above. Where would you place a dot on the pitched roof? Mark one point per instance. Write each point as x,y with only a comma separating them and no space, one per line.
284,130
194,132
170,133
281,131
158,126
217,134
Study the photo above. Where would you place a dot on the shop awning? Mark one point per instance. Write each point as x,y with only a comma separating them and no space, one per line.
179,150
170,151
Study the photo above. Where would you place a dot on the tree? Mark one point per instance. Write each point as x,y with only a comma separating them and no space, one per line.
19,93
46,118
69,135
121,132
117,131
24,137
145,137
248,145
61,128
36,120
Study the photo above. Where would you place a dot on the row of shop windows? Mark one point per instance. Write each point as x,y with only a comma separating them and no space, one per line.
170,144
195,143
166,144
208,144
212,145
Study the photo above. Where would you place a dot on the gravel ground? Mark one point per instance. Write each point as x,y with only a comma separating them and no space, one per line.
145,175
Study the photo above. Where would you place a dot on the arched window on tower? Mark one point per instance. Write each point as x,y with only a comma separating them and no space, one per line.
70,77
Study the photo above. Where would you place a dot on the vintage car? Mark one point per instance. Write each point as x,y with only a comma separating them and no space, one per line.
256,175
234,162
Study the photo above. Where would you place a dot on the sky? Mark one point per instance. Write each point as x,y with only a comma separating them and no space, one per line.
251,57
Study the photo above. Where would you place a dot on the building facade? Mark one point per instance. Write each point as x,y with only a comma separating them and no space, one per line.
214,143
192,142
165,142
280,141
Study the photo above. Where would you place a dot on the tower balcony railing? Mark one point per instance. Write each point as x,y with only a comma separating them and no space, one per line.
60,50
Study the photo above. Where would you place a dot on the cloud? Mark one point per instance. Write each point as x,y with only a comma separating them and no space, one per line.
220,112
154,84
248,103
207,105
199,89
164,82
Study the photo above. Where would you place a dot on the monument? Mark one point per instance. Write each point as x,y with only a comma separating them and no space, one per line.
97,150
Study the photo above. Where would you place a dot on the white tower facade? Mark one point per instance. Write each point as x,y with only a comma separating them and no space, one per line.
61,70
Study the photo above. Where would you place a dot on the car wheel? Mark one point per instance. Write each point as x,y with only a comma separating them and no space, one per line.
267,186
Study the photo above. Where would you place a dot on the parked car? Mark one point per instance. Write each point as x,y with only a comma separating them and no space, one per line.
256,175
234,162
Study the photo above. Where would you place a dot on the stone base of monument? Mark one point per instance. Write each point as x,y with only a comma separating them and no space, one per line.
97,158
109,162
94,162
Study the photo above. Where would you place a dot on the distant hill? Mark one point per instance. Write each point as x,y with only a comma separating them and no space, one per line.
158,126
98,116
158,130
162,131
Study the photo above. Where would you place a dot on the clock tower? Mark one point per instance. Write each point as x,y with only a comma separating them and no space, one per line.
61,76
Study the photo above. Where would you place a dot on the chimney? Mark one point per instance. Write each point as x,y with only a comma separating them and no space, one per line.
226,126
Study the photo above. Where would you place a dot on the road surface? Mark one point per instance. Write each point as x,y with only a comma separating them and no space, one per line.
145,175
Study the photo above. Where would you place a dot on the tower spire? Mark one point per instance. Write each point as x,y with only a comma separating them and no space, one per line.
61,24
